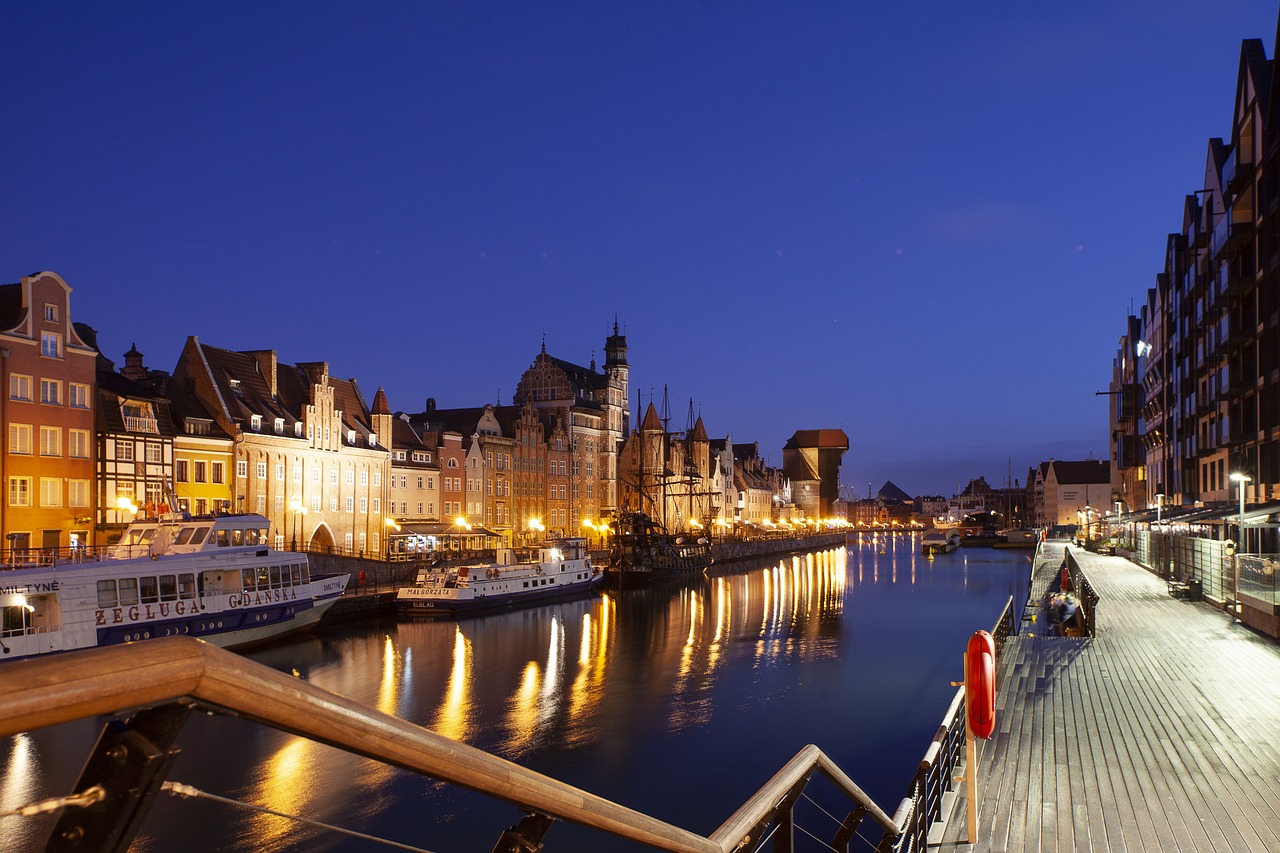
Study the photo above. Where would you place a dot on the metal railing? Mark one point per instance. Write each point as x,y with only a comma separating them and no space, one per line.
1084,592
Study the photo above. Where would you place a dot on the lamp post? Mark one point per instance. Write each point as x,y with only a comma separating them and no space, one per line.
296,506
1159,506
1240,480
391,525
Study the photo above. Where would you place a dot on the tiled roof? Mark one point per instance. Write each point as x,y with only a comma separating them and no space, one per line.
833,438
1086,472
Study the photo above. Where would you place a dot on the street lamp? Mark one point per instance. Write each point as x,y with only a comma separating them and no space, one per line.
1240,480
299,511
391,525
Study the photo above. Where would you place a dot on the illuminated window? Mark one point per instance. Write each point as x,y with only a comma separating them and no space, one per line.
19,387
78,443
50,441
50,491
50,345
51,392
78,396
19,491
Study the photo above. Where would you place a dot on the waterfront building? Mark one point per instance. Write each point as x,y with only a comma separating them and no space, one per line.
1074,493
134,433
302,439
596,414
758,486
1196,382
48,465
414,489
811,461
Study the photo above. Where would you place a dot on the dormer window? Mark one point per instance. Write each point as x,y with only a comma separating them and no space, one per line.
255,423
373,440
297,429
279,426
351,437
398,455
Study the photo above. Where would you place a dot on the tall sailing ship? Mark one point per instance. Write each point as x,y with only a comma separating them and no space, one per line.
643,549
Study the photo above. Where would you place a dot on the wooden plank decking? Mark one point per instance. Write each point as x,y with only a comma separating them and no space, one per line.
1160,733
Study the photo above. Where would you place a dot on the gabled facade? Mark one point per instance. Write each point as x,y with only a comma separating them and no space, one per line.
303,440
811,461
48,464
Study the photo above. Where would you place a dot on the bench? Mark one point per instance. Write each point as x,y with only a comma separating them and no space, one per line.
1189,590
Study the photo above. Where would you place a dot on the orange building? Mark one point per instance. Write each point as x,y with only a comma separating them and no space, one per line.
47,408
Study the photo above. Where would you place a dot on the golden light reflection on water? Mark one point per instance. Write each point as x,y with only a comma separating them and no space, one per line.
288,782
19,785
453,720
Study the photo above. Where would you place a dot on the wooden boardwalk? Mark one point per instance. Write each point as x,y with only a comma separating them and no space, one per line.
1160,733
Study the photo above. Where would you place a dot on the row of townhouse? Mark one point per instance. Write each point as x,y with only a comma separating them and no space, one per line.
1195,386
90,447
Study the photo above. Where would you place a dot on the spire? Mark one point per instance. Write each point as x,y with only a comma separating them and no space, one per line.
380,405
651,422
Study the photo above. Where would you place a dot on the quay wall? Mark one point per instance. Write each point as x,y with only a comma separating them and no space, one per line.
746,549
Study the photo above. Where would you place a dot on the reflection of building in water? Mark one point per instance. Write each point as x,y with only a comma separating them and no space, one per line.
454,717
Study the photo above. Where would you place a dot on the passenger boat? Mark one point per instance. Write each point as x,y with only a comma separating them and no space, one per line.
211,577
940,541
560,569
643,551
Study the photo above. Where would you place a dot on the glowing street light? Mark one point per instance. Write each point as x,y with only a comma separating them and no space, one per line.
1240,480
299,512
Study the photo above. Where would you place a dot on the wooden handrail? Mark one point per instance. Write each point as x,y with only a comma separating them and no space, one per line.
50,691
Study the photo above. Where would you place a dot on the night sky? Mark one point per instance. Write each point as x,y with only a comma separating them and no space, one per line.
921,222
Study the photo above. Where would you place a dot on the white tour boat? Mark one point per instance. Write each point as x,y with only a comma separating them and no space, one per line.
211,577
558,570
940,541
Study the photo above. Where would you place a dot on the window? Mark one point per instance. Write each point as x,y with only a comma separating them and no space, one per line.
19,491
180,470
155,453
297,471
315,474
364,478
216,472
364,504
351,436
262,504
333,504
348,476
453,463
242,468
200,472
78,396
50,441
333,477
349,504
50,312
19,387
377,504
262,470
377,478
50,491
255,423
279,426
315,503
297,429
124,451
78,443
20,439
398,455
280,471
50,345
419,509
346,540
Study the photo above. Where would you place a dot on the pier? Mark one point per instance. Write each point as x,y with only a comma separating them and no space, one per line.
1157,733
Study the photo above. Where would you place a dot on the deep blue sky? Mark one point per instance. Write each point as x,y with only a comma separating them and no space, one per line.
921,222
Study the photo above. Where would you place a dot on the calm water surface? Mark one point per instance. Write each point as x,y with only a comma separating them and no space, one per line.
679,703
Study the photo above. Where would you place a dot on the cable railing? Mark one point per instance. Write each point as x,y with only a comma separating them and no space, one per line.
168,678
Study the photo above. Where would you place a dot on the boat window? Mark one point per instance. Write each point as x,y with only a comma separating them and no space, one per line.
145,535
237,537
168,588
150,592
187,586
264,578
224,538
128,591
13,621
296,572
251,537
306,572
249,579
200,533
107,593
184,536
275,576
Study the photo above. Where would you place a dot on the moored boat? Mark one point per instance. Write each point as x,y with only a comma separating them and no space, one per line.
643,551
560,569
940,541
211,577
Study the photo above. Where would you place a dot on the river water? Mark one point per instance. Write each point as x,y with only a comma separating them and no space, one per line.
679,703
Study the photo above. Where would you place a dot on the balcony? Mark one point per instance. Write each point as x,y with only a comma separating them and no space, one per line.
1236,176
1229,236
136,424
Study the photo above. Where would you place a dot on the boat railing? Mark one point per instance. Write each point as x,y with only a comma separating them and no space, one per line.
168,678
43,558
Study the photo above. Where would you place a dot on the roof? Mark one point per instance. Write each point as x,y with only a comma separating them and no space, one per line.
1085,472
890,492
822,438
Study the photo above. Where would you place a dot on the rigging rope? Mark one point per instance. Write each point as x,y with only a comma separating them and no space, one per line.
188,791
87,797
